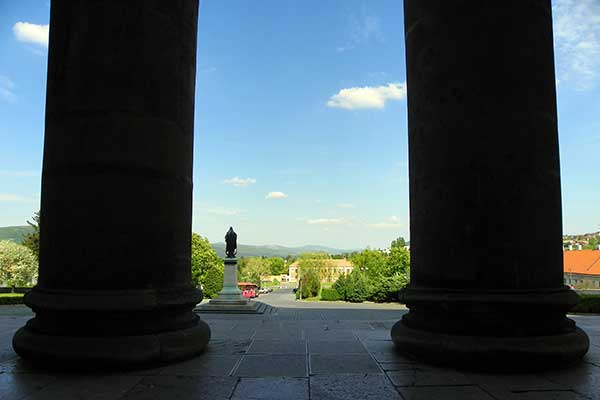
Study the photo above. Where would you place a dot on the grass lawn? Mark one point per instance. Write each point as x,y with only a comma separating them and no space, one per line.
11,298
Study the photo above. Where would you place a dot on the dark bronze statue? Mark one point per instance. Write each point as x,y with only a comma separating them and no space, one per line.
230,243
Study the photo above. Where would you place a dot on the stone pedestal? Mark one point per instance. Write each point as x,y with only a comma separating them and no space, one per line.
486,288
114,284
230,299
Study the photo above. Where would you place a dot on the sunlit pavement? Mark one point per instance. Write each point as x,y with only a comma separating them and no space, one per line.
298,350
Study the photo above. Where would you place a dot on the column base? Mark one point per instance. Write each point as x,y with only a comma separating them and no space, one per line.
486,353
122,351
491,329
90,329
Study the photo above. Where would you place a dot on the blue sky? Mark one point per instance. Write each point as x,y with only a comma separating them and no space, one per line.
300,124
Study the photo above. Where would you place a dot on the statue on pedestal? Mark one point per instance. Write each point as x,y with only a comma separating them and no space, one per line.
230,243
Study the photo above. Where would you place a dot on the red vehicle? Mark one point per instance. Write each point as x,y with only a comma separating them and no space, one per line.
249,289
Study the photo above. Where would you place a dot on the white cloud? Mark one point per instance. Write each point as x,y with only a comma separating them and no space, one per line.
392,222
367,96
15,198
7,87
239,182
276,195
19,173
326,221
31,33
577,42
346,205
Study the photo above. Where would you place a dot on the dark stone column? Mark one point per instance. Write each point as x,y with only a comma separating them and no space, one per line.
115,282
486,285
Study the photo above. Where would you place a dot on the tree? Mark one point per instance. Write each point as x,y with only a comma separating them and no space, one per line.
319,262
310,284
32,240
358,286
342,286
254,269
277,266
400,242
207,266
18,265
371,262
398,261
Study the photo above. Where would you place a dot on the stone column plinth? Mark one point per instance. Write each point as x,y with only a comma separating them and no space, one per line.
115,277
486,288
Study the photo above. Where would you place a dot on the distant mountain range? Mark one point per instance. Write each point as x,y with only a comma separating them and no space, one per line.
246,250
16,233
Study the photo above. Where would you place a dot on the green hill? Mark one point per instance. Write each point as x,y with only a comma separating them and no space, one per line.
245,250
14,233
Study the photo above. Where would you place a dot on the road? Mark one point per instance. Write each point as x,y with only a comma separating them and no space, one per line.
286,298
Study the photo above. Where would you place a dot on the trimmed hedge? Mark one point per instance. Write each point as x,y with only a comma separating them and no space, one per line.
588,303
11,298
330,294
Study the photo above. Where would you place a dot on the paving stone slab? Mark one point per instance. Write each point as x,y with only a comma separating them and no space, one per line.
290,346
204,365
337,347
166,387
283,365
392,357
271,389
352,386
444,393
86,387
227,347
537,395
278,334
327,364
517,382
17,386
428,377
381,346
324,333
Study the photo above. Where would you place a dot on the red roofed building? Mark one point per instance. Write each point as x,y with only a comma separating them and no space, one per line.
582,268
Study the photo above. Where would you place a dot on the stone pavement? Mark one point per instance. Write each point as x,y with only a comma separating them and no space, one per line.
306,352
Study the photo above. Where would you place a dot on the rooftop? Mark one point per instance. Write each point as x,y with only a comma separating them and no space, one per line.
583,262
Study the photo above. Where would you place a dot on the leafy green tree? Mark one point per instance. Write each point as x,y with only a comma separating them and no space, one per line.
207,266
277,266
319,262
387,288
370,262
358,287
18,265
398,261
32,240
310,284
400,242
254,269
342,286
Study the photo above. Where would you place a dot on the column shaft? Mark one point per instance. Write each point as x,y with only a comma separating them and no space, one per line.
115,278
486,237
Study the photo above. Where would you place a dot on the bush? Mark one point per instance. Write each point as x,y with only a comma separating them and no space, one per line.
342,285
11,298
18,265
330,294
387,288
588,303
358,287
